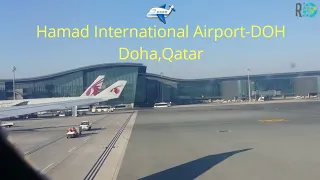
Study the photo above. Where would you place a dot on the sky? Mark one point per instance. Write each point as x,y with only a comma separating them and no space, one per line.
226,57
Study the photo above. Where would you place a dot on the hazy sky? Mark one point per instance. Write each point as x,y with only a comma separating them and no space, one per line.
226,57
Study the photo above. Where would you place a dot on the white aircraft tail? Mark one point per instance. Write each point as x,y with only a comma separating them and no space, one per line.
94,88
171,8
113,91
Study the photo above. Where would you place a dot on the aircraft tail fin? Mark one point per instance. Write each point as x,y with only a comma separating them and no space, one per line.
94,88
172,7
114,91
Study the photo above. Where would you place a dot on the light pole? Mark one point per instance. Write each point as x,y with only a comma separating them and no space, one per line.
249,85
161,87
13,82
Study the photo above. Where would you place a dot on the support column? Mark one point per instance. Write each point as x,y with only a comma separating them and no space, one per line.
75,111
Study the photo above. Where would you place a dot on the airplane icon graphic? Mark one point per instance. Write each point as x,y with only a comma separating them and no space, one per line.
160,12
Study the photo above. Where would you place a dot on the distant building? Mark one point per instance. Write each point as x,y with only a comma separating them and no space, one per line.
144,89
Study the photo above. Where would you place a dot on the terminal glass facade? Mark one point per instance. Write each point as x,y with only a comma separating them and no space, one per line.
199,90
130,74
177,91
74,84
2,90
141,90
284,86
145,89
69,85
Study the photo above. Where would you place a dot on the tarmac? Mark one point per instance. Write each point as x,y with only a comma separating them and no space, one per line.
44,145
247,141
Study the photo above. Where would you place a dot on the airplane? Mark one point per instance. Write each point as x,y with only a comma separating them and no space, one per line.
112,92
92,90
13,165
160,12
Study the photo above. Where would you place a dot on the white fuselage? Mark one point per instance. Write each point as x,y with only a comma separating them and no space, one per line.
156,11
9,103
6,124
89,92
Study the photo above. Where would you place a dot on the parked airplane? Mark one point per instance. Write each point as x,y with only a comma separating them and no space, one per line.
112,92
92,90
160,12
8,152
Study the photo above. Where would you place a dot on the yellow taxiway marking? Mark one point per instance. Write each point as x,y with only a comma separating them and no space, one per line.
273,120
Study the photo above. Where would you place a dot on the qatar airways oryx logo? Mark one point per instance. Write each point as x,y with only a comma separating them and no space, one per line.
116,90
93,90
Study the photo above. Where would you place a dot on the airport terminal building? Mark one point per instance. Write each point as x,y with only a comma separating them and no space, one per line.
144,89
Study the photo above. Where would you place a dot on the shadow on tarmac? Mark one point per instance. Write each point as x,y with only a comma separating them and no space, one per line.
87,134
97,128
193,169
39,128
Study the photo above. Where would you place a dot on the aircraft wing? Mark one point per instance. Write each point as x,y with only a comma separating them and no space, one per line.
112,92
163,6
33,108
162,18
